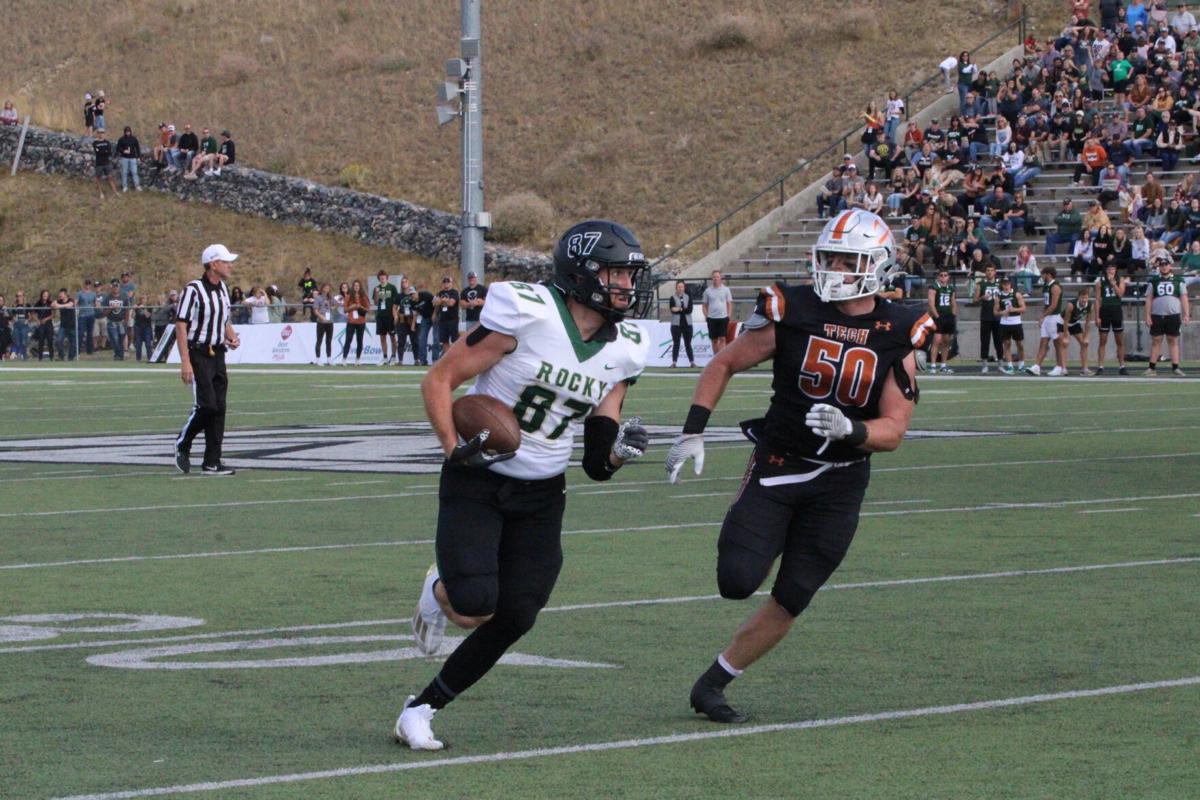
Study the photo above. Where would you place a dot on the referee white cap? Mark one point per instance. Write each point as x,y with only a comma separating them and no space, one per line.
217,252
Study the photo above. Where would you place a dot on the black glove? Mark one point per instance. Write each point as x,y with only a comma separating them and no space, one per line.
632,440
472,454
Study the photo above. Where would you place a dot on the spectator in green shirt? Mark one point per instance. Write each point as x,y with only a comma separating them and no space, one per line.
1121,69
1067,225
208,147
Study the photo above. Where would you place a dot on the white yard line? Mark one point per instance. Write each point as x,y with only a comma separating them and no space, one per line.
279,480
311,547
1112,510
1038,504
210,506
357,483
53,476
650,741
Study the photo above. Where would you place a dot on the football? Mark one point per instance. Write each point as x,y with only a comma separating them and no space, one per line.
474,412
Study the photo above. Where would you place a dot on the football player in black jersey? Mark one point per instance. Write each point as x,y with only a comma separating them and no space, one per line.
844,388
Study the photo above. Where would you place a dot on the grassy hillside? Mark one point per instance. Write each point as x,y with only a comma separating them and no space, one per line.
660,114
55,232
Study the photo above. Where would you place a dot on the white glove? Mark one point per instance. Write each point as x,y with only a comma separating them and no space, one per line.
828,421
632,440
687,445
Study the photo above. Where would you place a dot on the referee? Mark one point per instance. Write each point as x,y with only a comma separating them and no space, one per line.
203,332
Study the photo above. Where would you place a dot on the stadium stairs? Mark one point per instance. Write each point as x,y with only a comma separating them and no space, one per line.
784,254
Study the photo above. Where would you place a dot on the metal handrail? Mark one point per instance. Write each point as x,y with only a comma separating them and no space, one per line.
778,183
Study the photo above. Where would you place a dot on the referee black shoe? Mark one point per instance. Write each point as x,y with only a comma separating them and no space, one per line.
183,460
217,469
710,701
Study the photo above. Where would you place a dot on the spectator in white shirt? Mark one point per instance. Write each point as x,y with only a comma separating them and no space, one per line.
895,113
1183,22
872,200
9,115
259,305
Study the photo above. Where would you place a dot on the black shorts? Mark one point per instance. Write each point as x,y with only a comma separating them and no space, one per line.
810,524
104,170
1075,329
1165,324
1111,319
717,328
384,324
946,324
1014,333
498,537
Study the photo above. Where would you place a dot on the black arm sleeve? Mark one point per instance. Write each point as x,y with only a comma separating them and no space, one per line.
599,434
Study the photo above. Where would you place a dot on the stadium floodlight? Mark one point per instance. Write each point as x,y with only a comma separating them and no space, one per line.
447,114
469,48
456,68
448,92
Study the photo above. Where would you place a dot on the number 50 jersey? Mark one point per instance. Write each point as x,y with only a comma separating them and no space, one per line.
553,378
825,356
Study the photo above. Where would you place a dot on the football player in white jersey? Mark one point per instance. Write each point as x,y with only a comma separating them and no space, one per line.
556,354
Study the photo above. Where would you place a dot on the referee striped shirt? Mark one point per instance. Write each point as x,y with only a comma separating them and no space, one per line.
204,307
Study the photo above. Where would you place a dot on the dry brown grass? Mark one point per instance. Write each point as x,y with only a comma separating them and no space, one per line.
732,32
55,232
234,68
604,107
522,217
354,176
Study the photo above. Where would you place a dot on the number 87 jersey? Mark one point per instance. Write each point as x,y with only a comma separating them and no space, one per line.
553,378
825,356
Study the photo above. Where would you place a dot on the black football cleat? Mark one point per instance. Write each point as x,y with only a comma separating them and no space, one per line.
183,460
217,469
710,701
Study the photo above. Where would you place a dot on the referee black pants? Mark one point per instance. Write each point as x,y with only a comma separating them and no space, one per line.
209,384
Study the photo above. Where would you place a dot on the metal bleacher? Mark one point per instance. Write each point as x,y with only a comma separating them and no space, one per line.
784,256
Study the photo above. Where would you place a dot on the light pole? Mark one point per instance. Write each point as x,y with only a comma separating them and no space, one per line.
461,96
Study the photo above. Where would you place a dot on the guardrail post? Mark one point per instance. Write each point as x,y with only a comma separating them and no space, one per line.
781,200
20,145
718,230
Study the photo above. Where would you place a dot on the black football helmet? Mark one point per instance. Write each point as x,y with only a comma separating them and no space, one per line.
587,248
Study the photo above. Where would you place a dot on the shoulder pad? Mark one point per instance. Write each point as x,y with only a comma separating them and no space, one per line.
633,344
511,305
771,306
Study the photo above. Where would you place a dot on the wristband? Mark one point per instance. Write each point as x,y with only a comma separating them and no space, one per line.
697,419
858,433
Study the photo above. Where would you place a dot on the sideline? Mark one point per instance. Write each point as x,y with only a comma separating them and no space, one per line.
650,601
652,741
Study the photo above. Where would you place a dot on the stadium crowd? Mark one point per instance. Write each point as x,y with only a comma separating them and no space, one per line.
965,187
123,320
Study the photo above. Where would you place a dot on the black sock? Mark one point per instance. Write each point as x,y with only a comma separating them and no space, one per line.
436,695
716,675
1174,365
1153,367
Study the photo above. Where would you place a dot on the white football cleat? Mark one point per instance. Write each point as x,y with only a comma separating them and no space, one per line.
429,621
1057,372
1034,370
413,729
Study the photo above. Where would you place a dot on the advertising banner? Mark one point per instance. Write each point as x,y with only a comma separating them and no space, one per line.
294,343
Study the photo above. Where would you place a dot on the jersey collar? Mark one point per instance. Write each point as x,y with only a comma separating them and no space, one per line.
583,350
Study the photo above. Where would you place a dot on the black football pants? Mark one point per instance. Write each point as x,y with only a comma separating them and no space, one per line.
209,384
989,334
